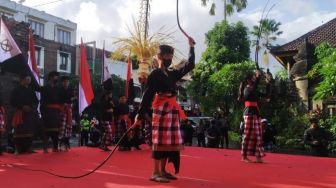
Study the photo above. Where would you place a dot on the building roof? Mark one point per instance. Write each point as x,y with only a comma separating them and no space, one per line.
323,33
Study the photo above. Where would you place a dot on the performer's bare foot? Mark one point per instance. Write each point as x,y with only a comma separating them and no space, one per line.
246,160
55,150
159,178
259,160
169,176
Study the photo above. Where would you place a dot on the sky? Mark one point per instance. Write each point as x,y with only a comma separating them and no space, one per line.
107,20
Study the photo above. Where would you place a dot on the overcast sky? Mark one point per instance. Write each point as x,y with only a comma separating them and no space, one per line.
106,19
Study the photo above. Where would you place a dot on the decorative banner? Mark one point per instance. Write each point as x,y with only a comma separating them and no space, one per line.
266,59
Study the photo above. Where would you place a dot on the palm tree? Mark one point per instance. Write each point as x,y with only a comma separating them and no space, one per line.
144,48
229,6
266,32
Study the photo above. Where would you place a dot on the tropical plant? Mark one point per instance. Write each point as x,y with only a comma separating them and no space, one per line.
324,69
266,32
229,7
144,48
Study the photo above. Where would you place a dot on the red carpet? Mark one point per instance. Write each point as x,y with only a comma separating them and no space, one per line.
201,167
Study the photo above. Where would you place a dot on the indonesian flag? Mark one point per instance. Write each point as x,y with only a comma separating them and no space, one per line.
129,87
8,47
32,58
32,64
85,88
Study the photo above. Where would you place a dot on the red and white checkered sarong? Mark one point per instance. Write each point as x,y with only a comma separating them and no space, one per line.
252,138
166,133
65,129
107,134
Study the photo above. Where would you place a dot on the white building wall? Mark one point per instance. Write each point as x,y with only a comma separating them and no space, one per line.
51,23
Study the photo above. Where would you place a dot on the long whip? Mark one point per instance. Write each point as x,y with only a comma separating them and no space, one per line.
178,21
79,176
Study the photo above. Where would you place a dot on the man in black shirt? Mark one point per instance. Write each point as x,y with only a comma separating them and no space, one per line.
66,99
24,99
317,138
51,111
166,132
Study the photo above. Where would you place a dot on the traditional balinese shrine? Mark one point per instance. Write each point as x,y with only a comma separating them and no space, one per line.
298,57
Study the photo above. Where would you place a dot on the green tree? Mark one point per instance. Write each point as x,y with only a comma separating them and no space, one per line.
325,69
226,44
223,85
229,7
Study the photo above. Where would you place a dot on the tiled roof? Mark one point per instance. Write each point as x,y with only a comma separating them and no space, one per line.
323,33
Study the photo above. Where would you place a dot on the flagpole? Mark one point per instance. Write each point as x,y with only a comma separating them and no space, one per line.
103,64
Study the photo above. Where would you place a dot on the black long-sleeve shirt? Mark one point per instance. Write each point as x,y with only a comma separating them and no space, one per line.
22,96
107,109
50,95
318,138
66,95
159,82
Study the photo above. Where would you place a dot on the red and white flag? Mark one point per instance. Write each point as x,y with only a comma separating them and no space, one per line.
32,58
129,88
85,88
32,63
8,47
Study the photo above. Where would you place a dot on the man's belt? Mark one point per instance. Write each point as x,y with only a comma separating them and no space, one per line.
251,104
161,99
55,106
17,118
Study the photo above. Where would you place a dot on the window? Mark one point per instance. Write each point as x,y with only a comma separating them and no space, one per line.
39,55
64,62
63,36
37,27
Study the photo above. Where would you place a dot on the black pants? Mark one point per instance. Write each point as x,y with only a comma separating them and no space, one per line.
54,138
84,137
200,140
224,136
95,135
22,144
135,141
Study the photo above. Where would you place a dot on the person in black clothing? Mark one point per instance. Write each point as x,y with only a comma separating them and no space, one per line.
107,120
25,119
317,138
223,126
200,129
213,134
135,140
166,113
268,135
123,123
188,133
95,132
51,108
66,99
252,137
